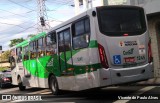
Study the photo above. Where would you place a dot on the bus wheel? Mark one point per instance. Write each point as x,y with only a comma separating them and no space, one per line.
20,85
54,85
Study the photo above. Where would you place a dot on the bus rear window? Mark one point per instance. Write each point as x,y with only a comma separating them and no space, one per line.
119,21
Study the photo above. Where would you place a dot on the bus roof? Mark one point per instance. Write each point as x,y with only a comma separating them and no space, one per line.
22,43
38,36
26,42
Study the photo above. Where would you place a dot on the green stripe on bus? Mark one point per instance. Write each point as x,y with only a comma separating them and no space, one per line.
43,66
40,69
93,44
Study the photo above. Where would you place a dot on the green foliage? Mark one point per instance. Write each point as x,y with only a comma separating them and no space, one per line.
5,55
3,68
15,41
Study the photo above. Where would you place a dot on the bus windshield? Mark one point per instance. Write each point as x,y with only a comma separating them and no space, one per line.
119,21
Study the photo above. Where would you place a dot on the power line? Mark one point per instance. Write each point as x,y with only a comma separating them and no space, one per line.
20,4
11,24
55,19
28,12
14,25
66,3
60,2
13,13
28,28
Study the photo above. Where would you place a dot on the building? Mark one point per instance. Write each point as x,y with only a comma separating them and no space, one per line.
152,8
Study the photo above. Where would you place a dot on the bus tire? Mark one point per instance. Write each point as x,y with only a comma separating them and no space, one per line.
20,85
53,84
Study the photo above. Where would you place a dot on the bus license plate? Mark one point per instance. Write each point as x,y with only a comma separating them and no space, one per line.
129,60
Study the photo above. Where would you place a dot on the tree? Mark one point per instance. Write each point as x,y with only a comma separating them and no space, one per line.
15,41
5,55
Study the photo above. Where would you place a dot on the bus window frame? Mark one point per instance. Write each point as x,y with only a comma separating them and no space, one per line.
41,51
19,54
24,57
142,19
70,39
12,59
34,48
85,33
53,50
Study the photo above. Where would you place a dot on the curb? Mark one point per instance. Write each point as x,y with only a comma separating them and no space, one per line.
153,81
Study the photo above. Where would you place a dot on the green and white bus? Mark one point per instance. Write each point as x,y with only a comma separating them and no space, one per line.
103,46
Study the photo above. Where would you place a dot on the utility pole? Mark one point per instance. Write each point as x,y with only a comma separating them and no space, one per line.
76,3
42,19
87,4
104,2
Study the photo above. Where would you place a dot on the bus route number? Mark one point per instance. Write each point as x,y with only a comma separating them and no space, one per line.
141,57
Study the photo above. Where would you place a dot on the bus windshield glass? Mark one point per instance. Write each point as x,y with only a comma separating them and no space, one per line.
119,21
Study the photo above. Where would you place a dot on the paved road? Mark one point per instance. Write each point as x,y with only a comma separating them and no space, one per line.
119,94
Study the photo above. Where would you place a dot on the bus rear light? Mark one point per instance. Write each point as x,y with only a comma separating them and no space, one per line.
125,34
102,55
150,58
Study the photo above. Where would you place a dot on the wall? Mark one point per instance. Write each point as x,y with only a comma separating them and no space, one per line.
152,24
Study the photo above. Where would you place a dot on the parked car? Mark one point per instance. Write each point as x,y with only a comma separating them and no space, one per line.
5,78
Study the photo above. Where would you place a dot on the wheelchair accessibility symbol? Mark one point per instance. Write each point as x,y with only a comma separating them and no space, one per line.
117,59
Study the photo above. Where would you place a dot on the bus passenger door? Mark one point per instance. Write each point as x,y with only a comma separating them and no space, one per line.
12,61
26,64
65,60
19,63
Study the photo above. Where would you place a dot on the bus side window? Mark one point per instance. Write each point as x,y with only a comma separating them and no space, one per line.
64,40
33,48
26,53
41,47
51,44
12,59
19,54
60,42
81,33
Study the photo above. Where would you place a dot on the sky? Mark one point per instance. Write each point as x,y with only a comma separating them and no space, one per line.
18,18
